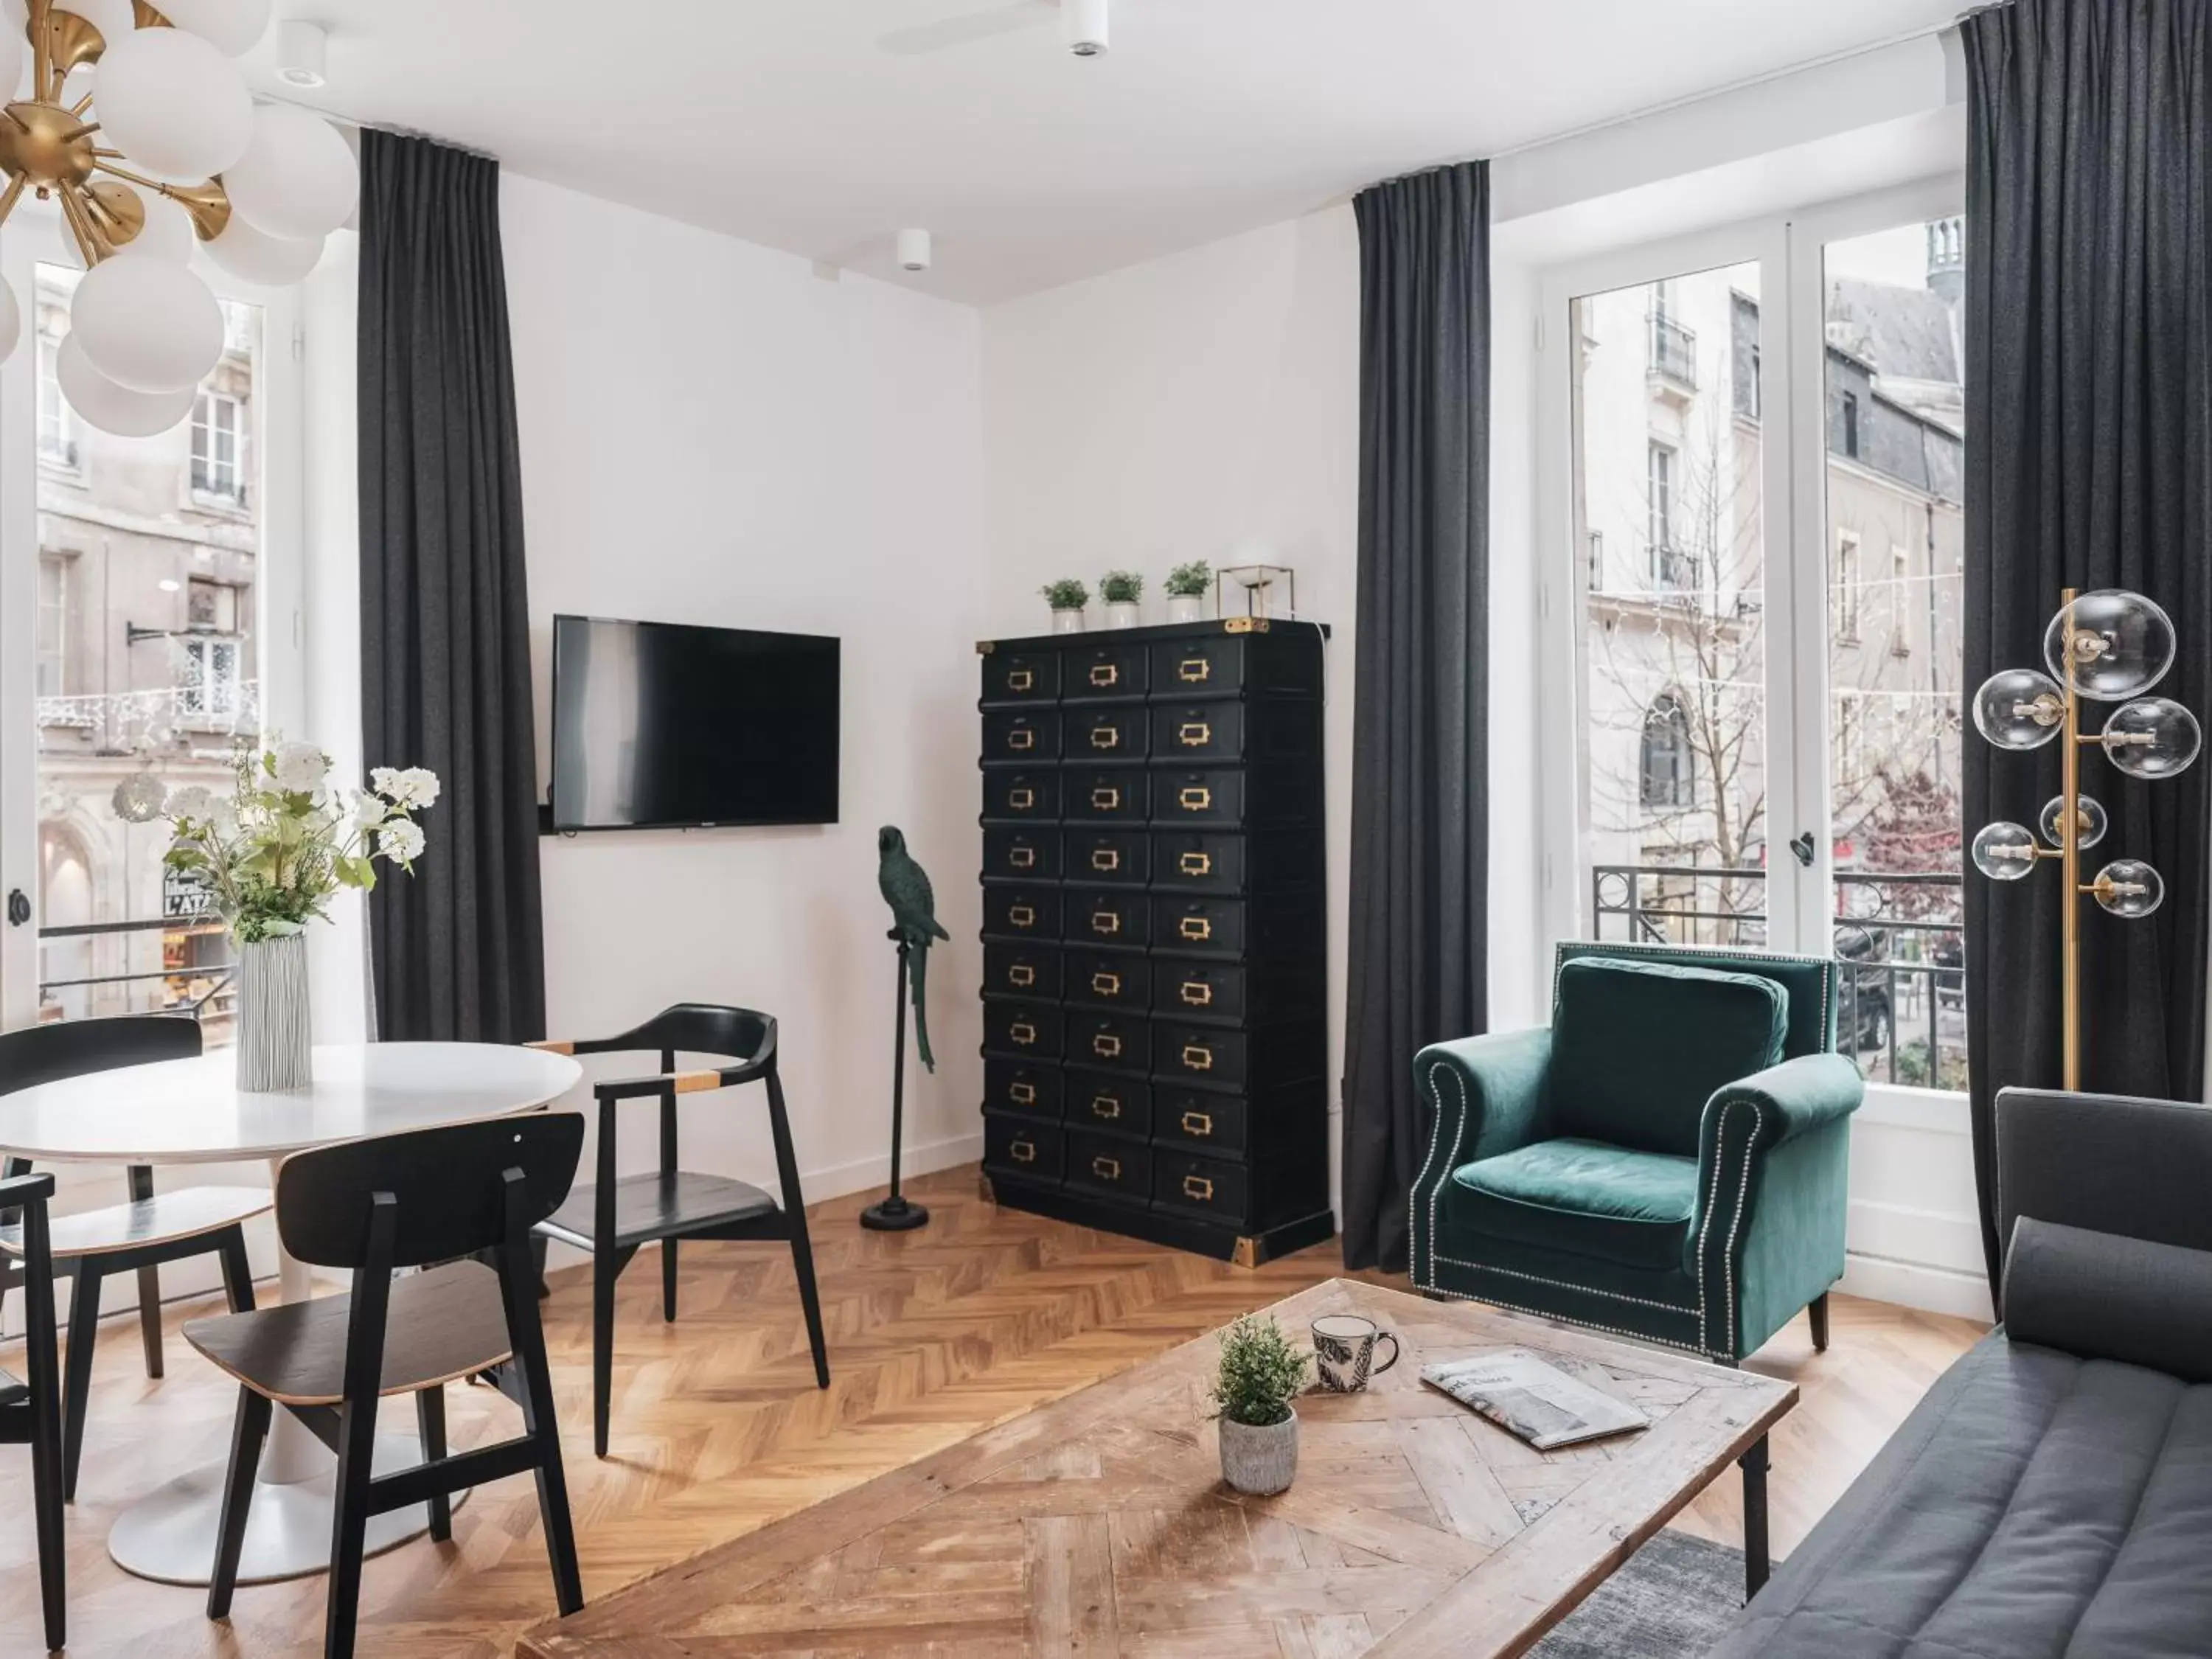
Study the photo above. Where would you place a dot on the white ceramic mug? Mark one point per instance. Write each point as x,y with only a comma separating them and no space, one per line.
1344,1352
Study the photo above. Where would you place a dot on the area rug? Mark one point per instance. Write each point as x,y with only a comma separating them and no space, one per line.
1673,1600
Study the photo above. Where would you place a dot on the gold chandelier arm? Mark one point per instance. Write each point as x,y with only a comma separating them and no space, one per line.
101,164
207,204
82,105
87,239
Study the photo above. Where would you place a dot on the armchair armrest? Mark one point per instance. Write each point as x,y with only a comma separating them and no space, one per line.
1487,1091
1785,1101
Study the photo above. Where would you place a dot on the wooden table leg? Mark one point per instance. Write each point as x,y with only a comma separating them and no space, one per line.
1755,1563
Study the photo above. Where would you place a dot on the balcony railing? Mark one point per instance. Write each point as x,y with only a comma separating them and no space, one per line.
205,990
1901,1004
114,718
1674,351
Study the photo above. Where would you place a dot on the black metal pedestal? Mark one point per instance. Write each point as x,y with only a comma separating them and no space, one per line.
897,1214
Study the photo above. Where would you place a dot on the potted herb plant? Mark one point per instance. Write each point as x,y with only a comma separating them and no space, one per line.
1186,585
1068,597
1120,589
1261,1373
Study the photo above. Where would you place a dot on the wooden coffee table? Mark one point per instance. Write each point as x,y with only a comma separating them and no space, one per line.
1099,1525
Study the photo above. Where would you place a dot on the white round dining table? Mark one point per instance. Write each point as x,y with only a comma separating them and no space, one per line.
191,1111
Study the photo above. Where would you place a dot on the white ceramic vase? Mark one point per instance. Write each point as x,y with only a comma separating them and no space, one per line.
1120,613
1067,622
274,1032
1184,608
1259,1462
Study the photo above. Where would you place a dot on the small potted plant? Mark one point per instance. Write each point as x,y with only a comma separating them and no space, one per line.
1186,585
1261,1373
1068,597
1120,589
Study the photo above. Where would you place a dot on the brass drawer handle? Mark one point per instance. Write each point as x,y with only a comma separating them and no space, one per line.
1198,1187
1021,799
1105,921
1022,916
1195,734
1197,993
1106,1046
1021,976
1106,985
1195,863
1021,858
1106,1168
1021,738
1105,736
1196,799
1104,674
1020,679
1024,1094
1025,1034
1195,669
1198,1124
1022,1151
1106,800
1105,858
1106,1106
1197,1058
1196,929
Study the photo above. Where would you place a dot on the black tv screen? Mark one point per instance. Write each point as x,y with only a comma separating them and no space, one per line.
662,725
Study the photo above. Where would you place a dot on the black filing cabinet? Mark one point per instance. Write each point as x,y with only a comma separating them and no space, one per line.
1155,983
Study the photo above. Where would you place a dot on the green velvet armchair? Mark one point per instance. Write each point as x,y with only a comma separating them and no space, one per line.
1667,1160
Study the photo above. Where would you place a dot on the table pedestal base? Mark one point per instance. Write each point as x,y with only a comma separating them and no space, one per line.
169,1534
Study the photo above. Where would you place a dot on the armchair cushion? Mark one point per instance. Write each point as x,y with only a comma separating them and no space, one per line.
1639,1047
1584,1198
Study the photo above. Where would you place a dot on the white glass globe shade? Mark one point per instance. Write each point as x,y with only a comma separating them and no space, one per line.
232,27
2089,819
11,320
252,256
14,51
2004,852
297,177
147,324
113,408
2129,888
2152,738
166,235
175,105
2018,708
2122,644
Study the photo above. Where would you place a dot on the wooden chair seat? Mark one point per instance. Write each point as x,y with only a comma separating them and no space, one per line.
164,1218
445,1324
654,1206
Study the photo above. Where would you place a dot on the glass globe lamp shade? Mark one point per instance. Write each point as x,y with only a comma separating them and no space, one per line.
2122,644
2018,708
176,107
11,320
146,324
2152,738
166,235
253,256
231,26
113,408
2004,852
2090,821
2129,888
298,178
15,52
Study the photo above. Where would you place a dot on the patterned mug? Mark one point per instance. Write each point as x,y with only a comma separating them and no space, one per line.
1344,1352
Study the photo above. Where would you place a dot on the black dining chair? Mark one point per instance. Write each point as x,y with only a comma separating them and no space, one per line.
30,1407
615,1216
140,1235
413,1200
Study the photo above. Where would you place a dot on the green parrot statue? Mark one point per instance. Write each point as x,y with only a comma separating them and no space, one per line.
905,887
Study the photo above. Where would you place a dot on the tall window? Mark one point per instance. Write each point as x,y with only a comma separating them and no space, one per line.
1659,473
1850,586
213,681
53,624
218,428
1668,770
1851,425
56,421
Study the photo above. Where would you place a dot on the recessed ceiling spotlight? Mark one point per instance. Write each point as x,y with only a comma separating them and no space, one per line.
1083,25
302,52
913,249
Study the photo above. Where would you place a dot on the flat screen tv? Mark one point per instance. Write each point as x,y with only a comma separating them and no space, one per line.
667,725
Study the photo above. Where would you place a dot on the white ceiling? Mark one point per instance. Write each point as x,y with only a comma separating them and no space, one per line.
816,126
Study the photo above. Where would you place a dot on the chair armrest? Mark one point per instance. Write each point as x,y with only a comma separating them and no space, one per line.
1788,1100
553,1045
18,1190
1487,1091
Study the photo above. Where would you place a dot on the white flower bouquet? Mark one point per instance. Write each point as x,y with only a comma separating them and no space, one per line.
276,848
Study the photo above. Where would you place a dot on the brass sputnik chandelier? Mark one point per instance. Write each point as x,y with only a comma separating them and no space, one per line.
138,126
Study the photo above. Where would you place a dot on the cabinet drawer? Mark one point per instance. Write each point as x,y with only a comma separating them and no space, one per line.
1105,734
1021,971
1103,915
1111,1104
1104,669
1199,731
1025,1150
1019,676
1108,979
1286,664
1104,795
1118,857
1113,1042
1028,795
1216,862
1203,1053
1106,1164
1255,1062
1022,1029
1190,1119
1020,856
1025,1091
1022,912
1203,1186
1020,738
1212,797
1208,990
1285,929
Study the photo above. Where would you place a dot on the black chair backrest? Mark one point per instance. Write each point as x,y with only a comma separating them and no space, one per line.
447,1185
78,1047
701,1028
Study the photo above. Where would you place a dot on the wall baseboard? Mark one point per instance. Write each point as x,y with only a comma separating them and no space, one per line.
1916,1284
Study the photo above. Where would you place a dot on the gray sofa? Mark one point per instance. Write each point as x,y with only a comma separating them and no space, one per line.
2052,1495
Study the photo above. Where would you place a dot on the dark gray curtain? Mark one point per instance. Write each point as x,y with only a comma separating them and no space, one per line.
1420,724
2087,372
458,949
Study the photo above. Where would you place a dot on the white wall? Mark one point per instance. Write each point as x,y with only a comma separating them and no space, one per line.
712,434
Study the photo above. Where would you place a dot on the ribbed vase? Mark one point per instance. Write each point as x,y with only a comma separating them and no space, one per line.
274,1044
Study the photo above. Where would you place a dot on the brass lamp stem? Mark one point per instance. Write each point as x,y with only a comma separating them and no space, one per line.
2069,844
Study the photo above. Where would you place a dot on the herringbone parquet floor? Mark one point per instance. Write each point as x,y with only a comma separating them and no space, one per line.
718,1428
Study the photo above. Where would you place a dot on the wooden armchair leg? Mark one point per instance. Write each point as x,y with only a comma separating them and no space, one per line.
604,1269
249,1429
668,1281
350,1524
1818,1313
47,1494
77,1386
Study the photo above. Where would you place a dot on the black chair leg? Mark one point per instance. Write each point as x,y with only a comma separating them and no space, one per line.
47,1495
149,1282
430,1418
810,1298
77,1388
249,1431
350,1524
602,1344
237,1270
668,1281
538,1247
1819,1315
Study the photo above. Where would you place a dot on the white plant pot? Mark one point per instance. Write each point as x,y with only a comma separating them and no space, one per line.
1185,608
1067,622
274,1040
1120,613
1259,1462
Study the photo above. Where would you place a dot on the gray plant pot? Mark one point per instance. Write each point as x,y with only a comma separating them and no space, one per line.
1260,1461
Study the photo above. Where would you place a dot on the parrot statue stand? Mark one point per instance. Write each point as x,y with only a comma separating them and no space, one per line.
905,887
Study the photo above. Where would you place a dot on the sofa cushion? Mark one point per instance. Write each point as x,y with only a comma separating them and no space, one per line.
1639,1047
2102,1296
1583,1197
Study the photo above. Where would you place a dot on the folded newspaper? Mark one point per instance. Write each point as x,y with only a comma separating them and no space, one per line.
1535,1400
